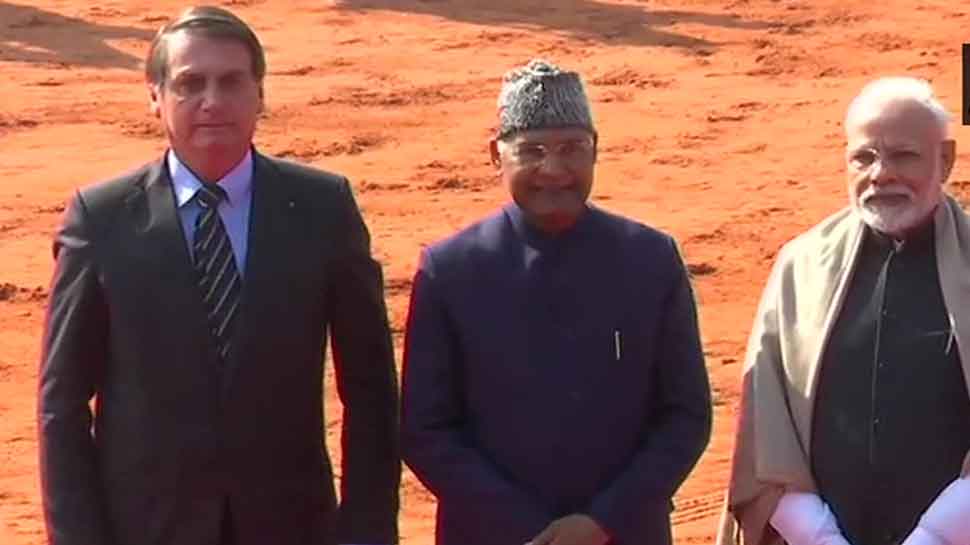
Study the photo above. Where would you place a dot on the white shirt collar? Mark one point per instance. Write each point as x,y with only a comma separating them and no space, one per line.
237,182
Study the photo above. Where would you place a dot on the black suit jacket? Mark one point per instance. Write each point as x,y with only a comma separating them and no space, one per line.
172,438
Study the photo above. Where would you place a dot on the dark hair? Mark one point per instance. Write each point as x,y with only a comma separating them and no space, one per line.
211,22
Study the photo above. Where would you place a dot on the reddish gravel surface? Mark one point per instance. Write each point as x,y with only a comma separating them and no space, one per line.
720,123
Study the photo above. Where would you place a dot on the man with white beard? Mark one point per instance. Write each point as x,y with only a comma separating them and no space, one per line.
854,425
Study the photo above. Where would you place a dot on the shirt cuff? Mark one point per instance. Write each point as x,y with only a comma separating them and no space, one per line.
804,519
948,517
921,536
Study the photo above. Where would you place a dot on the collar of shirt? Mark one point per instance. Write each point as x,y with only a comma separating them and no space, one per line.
237,183
540,240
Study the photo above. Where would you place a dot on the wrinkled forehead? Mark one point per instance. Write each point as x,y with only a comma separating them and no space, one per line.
892,124
551,136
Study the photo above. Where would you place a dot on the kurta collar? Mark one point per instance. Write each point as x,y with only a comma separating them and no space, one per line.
541,240
921,240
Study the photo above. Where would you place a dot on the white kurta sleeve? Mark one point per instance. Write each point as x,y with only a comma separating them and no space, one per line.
947,520
804,519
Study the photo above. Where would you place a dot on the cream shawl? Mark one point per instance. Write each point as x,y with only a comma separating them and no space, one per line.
800,303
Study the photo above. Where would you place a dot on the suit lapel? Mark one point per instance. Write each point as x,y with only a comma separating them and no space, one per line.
270,226
163,226
161,241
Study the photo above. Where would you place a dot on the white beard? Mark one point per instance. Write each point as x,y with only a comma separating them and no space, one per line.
896,219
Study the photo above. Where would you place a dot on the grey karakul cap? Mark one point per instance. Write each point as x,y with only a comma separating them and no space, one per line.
540,95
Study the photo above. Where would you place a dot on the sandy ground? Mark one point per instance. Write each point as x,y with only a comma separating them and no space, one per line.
720,123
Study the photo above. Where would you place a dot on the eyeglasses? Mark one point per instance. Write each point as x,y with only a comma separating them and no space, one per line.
574,153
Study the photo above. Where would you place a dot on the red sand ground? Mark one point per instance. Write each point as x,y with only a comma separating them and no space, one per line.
719,122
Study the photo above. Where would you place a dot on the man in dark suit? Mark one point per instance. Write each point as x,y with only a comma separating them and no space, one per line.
554,384
191,300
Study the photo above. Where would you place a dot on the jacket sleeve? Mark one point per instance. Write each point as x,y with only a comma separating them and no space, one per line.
434,431
74,351
640,497
367,384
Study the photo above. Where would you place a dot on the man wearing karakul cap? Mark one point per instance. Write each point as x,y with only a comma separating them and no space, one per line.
554,384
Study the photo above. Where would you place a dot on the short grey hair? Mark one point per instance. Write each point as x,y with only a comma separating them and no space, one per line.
900,88
211,22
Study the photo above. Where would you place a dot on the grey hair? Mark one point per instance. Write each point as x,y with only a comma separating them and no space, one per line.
211,22
890,89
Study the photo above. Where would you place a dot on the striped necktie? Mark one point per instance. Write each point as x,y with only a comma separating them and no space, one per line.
215,263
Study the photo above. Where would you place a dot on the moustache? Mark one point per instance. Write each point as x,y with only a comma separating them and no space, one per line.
897,191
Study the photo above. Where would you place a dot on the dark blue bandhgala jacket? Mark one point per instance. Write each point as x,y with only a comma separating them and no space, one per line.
549,376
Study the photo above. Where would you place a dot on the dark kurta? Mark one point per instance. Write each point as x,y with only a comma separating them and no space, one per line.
519,407
892,421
